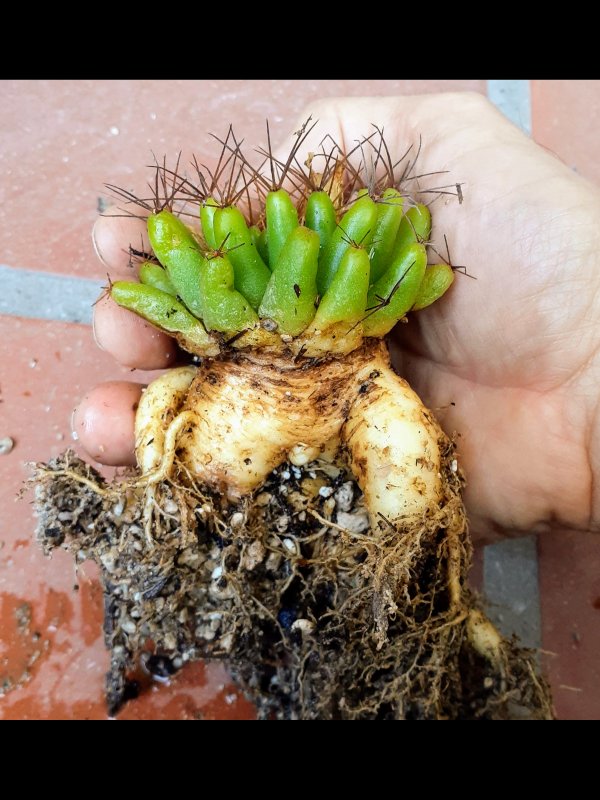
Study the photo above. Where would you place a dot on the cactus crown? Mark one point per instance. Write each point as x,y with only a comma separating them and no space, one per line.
308,258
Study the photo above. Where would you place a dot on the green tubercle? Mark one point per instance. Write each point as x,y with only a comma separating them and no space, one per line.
153,275
320,217
290,296
414,227
207,215
178,251
346,298
357,225
225,309
282,218
233,235
437,280
395,292
389,217
164,311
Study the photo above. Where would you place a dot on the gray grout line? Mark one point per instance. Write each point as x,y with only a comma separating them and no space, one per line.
510,569
511,588
513,98
44,295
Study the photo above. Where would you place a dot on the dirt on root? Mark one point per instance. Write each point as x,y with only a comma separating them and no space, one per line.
316,615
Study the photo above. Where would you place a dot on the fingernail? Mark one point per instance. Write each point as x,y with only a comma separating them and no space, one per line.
95,244
74,434
94,323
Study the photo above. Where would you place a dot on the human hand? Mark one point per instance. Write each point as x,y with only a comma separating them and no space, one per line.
508,360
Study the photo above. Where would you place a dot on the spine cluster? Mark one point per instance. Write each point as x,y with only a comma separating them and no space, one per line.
338,257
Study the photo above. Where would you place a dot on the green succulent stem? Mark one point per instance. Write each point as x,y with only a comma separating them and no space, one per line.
178,251
233,235
437,280
163,310
396,291
367,269
357,225
225,309
290,296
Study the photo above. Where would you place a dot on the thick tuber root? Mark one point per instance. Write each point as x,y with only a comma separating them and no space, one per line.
243,417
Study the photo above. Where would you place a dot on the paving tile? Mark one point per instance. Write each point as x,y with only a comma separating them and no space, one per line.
60,142
570,594
566,118
52,658
476,573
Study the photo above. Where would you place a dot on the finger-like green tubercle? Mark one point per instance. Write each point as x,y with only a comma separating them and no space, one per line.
207,214
320,216
164,311
290,296
225,309
389,216
282,218
414,227
251,273
346,298
437,280
395,292
356,225
178,251
153,275
263,247
255,233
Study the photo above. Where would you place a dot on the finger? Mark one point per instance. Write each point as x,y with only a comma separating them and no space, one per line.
404,121
104,422
129,339
112,236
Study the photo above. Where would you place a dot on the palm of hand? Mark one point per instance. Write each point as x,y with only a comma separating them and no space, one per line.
507,359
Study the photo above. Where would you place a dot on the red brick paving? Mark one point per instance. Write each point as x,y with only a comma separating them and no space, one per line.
566,120
58,655
566,116
60,142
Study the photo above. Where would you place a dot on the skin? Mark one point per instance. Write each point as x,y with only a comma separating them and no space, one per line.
104,421
510,361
